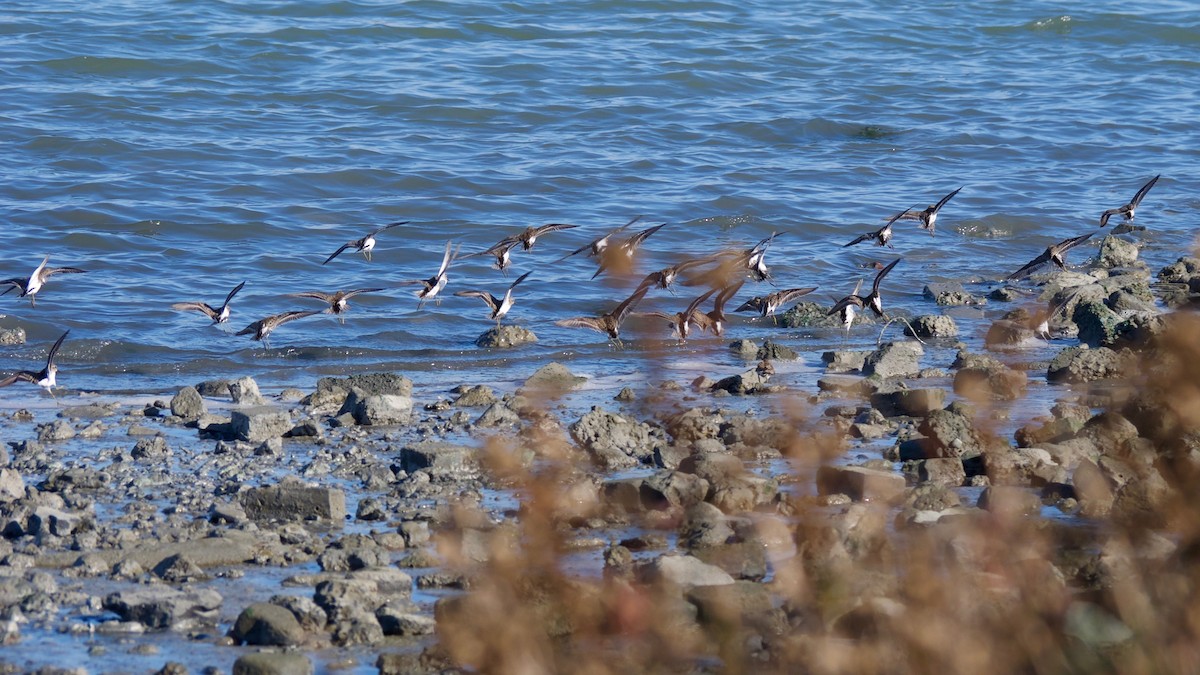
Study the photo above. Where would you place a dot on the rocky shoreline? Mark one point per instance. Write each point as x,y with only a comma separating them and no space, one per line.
389,519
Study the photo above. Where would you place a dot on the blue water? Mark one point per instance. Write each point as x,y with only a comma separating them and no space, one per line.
176,149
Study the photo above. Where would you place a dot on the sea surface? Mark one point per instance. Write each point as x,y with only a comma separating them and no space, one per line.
176,149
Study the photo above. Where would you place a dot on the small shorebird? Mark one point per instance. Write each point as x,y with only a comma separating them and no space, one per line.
619,258
499,306
715,320
665,278
754,259
46,377
366,244
261,329
433,285
767,305
928,217
681,322
597,246
30,287
503,252
339,302
607,323
1053,253
217,315
529,236
848,307
1127,210
882,236
873,301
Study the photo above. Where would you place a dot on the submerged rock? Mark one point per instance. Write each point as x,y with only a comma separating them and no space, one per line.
812,315
932,326
895,359
163,606
553,377
1115,252
505,337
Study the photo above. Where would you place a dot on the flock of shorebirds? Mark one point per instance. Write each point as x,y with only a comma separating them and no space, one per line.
721,275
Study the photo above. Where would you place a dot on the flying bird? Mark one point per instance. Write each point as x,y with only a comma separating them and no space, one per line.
1053,253
30,287
260,330
433,285
882,236
597,246
503,252
529,236
1127,210
499,306
849,307
366,244
768,304
220,315
46,377
620,257
928,217
609,323
665,278
681,322
716,319
338,302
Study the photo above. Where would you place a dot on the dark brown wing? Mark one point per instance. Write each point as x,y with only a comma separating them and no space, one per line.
883,273
51,271
627,305
631,244
234,292
317,295
1068,244
55,348
791,294
1041,259
725,295
389,226
21,376
845,302
199,306
863,237
942,202
582,322
339,252
551,227
280,319
350,294
1137,198
488,298
754,304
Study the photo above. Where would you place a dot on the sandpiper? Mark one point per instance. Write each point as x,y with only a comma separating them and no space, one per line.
1053,253
503,252
882,236
928,217
261,329
499,306
620,257
755,259
217,315
597,246
767,305
529,236
681,322
433,285
848,307
716,319
46,377
609,323
665,278
366,244
339,302
1128,210
30,287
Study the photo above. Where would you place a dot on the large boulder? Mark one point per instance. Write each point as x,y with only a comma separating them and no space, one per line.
294,501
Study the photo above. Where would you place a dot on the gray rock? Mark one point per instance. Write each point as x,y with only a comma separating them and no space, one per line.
332,392
273,663
744,348
1010,501
47,520
1116,252
188,404
910,402
774,351
895,359
860,483
12,336
255,425
213,388
616,441
498,415
12,486
553,377
942,470
154,448
58,430
1097,324
683,570
996,381
844,361
505,337
178,569
244,391
932,326
1005,333
948,434
812,315
439,459
1079,364
267,624
163,606
951,294
748,382
479,396
379,409
307,613
294,501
